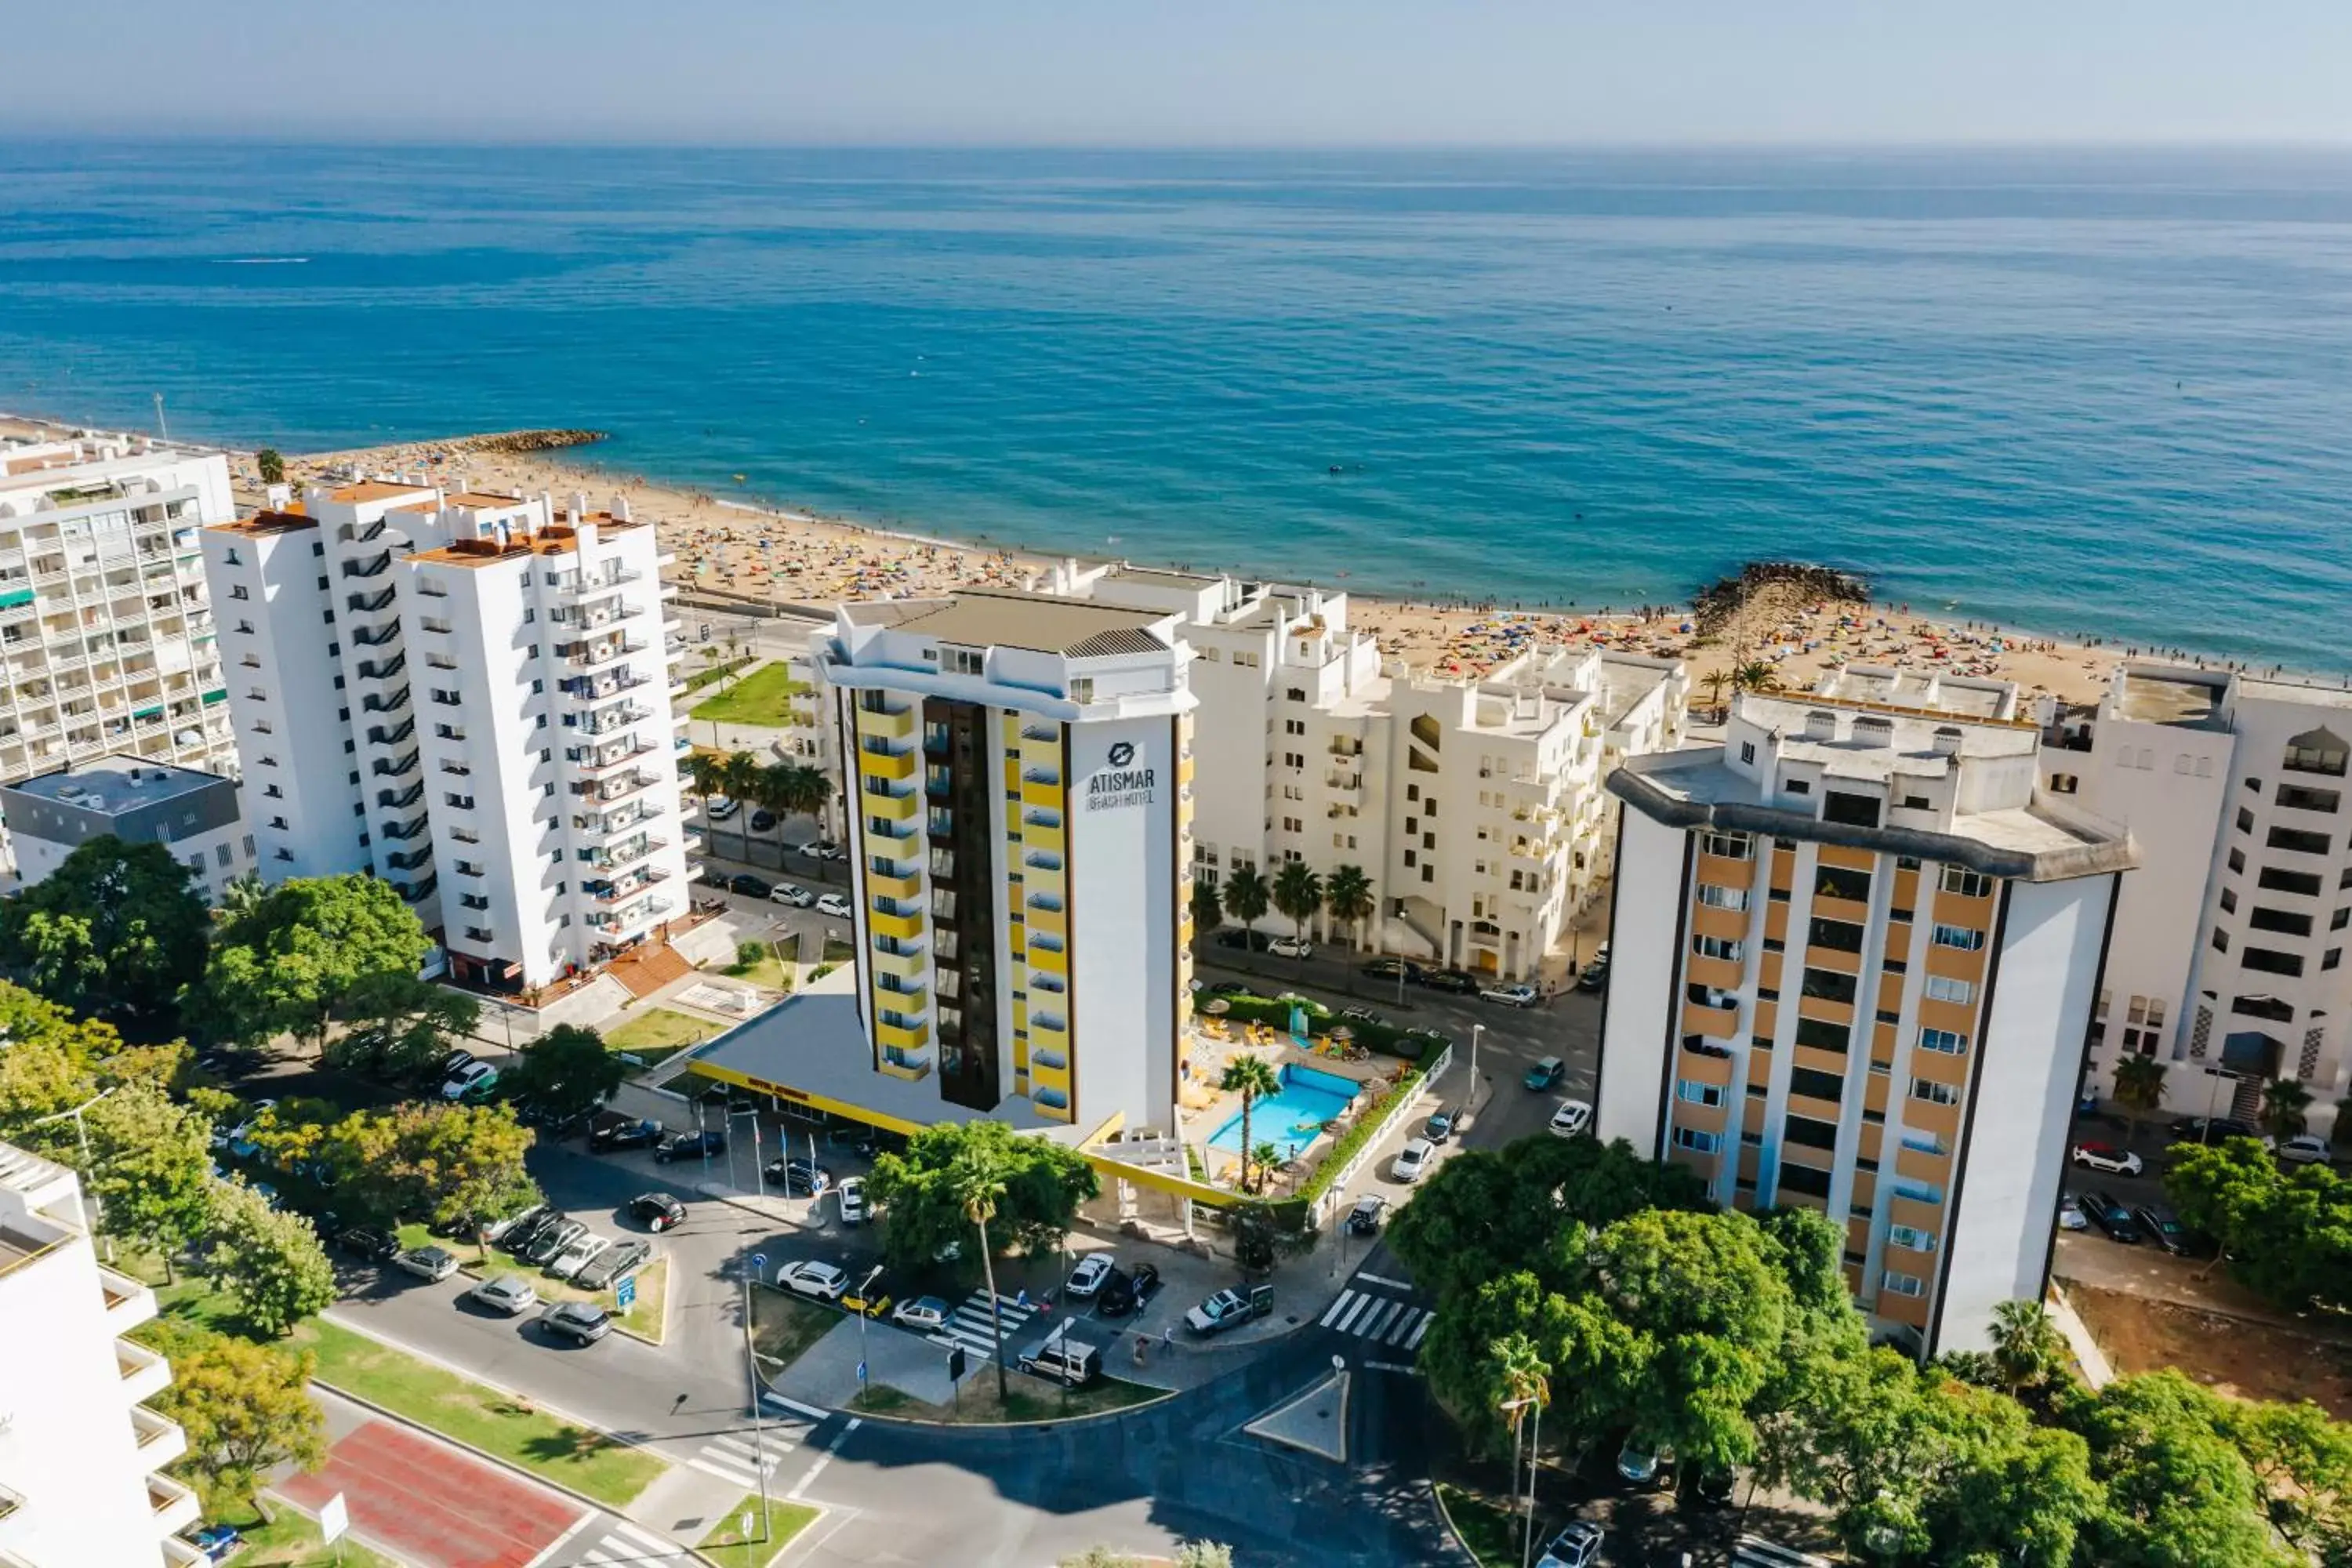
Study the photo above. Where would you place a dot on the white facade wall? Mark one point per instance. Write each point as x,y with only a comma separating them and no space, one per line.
1125,899
79,1454
1638,1010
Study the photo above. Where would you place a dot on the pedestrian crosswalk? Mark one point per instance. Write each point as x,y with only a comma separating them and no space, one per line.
1378,1319
622,1542
734,1458
969,1325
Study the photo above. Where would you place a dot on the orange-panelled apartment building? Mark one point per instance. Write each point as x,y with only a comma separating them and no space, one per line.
1855,953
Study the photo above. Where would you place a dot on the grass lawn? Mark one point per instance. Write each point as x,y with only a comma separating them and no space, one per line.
643,1321
1490,1531
1026,1398
783,1326
763,697
291,1540
654,1033
768,971
838,952
728,1546
707,673
586,1461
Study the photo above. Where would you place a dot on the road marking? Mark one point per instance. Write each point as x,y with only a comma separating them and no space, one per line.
1377,1325
1345,1297
824,1458
1382,1279
794,1405
561,1541
1405,1322
1420,1329
1391,1366
732,1459
1347,1324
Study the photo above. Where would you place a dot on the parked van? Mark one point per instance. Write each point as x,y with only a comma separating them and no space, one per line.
1061,1359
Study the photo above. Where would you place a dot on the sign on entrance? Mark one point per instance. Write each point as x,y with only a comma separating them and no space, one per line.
334,1519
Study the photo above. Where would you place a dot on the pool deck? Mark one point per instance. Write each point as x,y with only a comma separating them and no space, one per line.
1200,1125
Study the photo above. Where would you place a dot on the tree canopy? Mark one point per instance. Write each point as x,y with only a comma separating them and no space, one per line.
431,1158
569,1070
247,1409
310,948
269,1264
921,1194
151,1169
115,930
55,1062
2289,1236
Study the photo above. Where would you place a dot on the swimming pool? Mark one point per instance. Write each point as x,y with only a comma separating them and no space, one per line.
1292,1119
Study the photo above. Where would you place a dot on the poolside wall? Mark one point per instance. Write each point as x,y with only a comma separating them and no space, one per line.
1404,1106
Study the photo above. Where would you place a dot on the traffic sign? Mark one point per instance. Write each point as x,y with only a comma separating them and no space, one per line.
624,1294
334,1519
955,1364
861,1372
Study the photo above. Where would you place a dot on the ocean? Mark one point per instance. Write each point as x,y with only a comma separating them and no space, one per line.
2080,393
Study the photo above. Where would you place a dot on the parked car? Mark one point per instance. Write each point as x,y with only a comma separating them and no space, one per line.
1644,1464
1242,937
451,1064
1226,988
1063,1359
1595,976
1087,1279
1440,1125
718,808
475,1081
793,893
436,1263
851,1197
1393,969
763,820
2213,1130
1413,1159
577,1253
1452,981
660,1211
2307,1149
525,1230
1573,1117
2070,1213
217,1542
1544,1074
825,1281
366,1241
1577,1545
1714,1488
833,904
1127,1290
612,1133
2111,1216
1291,947
1364,1219
799,1177
582,1322
750,886
689,1146
2108,1158
2161,1227
870,1297
1218,1313
923,1315
1513,995
620,1259
508,1293
240,1137
550,1243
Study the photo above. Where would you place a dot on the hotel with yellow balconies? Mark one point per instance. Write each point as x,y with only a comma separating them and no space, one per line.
1018,796
1855,950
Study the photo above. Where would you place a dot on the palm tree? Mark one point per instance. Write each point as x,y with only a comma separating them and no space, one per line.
1248,1077
2027,1348
1756,674
1269,1159
2139,1088
1208,910
707,773
242,897
1524,1383
1716,680
978,1180
2283,1102
1348,895
1299,893
1246,896
780,794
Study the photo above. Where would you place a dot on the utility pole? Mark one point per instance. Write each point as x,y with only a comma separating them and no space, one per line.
752,1369
162,430
82,1136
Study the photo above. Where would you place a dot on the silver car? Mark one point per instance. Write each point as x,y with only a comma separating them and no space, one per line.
508,1293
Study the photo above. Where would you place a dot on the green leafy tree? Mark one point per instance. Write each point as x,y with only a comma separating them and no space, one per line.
445,1161
569,1070
925,1213
2289,1237
399,1026
1348,898
2284,1102
1252,1079
2179,1494
2139,1090
2029,1352
269,1264
151,1170
247,1409
272,466
1298,894
240,897
1208,910
52,1061
1246,896
311,947
1999,1489
115,930
2302,1461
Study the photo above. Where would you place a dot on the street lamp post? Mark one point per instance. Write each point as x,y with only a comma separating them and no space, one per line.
81,1137
863,1312
1475,1031
751,1370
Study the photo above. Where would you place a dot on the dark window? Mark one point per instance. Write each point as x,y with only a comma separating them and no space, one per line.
1853,810
2269,961
2315,752
1894,966
2269,1008
1844,936
1906,862
2254,784
1813,1134
1799,786
2245,820
1839,882
1780,895
2294,838
2237,860
1806,1180
2303,799
1757,1090
1830,986
1761,1042
2221,940
1888,1016
1766,993
2281,921
1872,1118
2333,956
1774,944
1747,750
2279,881
2228,902
1816,1084
1822,1036
1917,803
2340,918
1900,917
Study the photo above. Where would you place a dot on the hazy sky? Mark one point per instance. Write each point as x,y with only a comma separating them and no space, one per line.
1190,72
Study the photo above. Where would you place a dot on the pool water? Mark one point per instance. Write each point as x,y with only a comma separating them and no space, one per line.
1292,1119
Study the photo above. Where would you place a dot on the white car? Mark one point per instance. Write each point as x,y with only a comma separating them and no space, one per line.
924,1314
239,1140
471,1079
1291,947
576,1257
508,1293
1089,1276
1513,995
1575,1546
1572,1118
833,904
1413,1159
851,1197
1218,1313
718,808
821,1280
2108,1158
2307,1149
791,893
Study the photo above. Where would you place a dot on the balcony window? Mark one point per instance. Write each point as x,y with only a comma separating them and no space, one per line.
1944,1042
1960,937
1944,988
1696,1141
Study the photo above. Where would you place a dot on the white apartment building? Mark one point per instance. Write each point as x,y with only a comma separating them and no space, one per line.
2228,959
191,813
81,1459
470,697
1475,807
1855,951
106,630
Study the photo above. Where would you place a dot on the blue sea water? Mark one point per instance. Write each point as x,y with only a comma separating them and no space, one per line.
2106,392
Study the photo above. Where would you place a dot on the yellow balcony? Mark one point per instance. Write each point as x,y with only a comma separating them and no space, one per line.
911,1067
1183,769
902,965
1052,963
914,1036
904,927
1048,795
896,766
890,807
890,886
1054,920
899,726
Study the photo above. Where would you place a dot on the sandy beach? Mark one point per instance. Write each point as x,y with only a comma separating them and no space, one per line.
734,550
